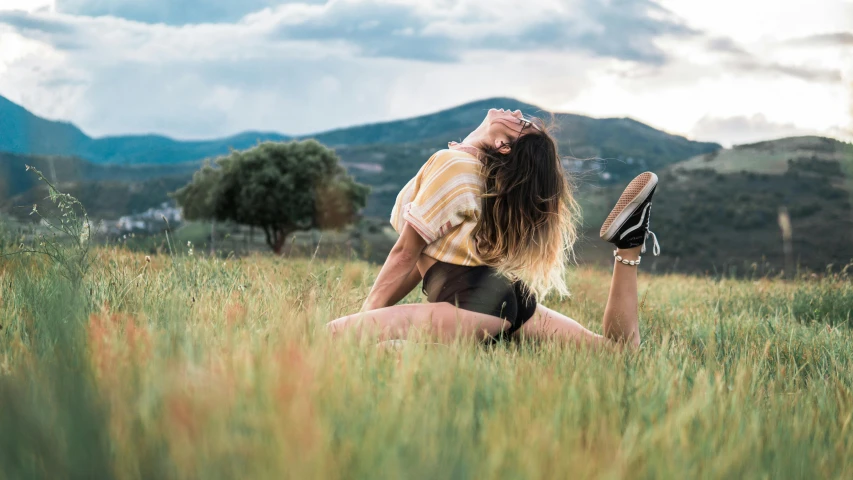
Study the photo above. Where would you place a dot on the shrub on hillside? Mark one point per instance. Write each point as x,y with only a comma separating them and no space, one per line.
828,300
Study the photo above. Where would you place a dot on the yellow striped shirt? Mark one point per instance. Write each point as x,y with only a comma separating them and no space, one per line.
442,203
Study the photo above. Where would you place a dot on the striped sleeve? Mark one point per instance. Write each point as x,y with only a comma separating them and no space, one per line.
448,194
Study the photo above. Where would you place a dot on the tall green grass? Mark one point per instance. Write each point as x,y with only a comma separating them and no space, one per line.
195,367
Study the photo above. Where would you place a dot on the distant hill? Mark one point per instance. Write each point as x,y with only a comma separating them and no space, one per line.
14,179
384,155
611,139
107,191
103,199
716,211
620,147
156,149
609,150
443,126
771,156
24,133
720,211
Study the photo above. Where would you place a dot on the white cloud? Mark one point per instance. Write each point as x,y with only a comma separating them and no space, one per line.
297,68
300,67
756,21
28,5
745,129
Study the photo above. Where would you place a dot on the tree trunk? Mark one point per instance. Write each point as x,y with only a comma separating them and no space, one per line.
267,236
213,238
276,238
280,239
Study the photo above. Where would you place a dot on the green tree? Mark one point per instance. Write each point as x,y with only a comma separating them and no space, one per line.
279,187
196,198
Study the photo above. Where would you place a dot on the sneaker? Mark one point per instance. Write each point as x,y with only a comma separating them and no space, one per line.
627,226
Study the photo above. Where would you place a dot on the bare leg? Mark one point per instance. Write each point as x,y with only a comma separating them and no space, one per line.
441,319
621,320
548,324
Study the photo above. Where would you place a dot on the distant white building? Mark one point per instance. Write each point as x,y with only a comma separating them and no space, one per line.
128,224
151,219
170,213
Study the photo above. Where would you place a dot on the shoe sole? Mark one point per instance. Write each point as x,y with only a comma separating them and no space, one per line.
634,195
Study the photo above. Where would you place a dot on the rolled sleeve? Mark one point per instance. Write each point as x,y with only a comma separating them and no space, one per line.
413,216
447,193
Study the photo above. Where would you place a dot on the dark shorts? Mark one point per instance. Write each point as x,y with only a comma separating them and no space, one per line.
482,290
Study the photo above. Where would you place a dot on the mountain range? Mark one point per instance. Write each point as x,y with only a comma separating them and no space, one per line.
25,133
719,209
383,155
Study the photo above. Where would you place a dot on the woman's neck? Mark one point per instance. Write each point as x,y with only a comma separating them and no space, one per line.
464,147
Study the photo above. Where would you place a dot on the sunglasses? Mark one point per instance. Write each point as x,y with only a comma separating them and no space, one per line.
528,121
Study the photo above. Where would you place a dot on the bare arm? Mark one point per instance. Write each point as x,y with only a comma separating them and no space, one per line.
397,272
407,286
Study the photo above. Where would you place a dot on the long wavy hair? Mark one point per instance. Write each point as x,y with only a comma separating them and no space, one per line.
528,223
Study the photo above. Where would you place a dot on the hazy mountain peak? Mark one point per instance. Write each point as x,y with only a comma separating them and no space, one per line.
583,136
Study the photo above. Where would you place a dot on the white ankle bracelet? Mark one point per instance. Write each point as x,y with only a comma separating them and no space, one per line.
626,262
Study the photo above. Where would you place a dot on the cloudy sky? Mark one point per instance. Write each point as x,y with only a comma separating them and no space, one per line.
730,71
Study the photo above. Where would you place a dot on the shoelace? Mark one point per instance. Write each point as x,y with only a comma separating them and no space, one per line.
655,244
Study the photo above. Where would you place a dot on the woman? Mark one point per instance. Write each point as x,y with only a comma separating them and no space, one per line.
488,225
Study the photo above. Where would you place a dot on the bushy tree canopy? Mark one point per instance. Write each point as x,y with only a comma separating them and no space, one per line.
196,198
278,187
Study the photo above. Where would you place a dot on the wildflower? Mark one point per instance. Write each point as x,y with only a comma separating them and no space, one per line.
147,259
84,235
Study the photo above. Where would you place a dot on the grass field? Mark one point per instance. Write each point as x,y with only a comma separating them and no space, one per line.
192,367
